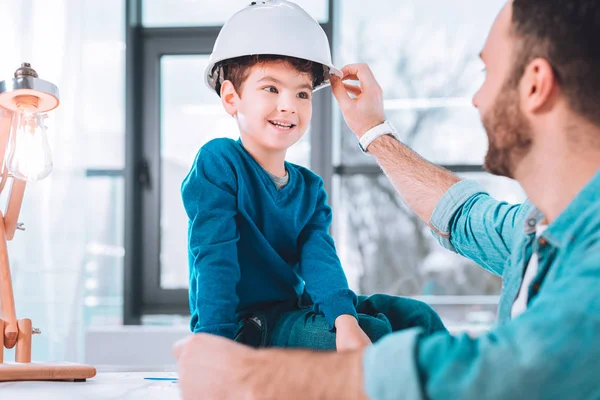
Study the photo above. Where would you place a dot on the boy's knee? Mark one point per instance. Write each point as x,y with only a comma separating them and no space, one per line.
309,330
403,312
375,326
426,317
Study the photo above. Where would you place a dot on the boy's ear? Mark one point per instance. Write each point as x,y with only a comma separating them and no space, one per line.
229,97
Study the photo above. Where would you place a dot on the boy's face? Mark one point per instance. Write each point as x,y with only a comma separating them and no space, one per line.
274,107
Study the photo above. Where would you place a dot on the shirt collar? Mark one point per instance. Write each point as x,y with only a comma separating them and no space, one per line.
558,230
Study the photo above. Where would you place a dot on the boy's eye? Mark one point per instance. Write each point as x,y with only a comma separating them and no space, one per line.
304,95
271,89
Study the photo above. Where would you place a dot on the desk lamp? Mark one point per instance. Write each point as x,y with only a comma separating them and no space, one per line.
26,156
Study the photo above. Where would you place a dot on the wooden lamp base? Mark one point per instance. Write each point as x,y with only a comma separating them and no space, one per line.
46,372
25,370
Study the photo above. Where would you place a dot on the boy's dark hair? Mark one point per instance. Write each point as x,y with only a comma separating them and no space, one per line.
565,33
237,69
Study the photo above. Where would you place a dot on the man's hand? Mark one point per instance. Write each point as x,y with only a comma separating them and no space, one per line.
349,335
365,110
211,367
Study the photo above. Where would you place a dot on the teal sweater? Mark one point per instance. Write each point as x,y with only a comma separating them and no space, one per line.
251,245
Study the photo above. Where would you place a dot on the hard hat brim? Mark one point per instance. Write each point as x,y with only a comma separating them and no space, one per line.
211,84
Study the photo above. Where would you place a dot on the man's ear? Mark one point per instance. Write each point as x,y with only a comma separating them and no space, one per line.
538,86
229,98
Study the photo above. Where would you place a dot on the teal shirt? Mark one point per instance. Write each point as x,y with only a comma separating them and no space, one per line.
551,351
251,245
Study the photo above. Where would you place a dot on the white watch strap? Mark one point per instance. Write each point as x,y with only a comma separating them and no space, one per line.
386,128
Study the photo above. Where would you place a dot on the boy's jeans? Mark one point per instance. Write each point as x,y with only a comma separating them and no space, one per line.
295,324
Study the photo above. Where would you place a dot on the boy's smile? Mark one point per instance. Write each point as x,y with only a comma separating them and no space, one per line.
283,125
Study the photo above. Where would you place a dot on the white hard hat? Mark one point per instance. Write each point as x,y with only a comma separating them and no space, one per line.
276,27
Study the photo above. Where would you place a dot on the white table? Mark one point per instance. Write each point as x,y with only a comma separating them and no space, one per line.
106,385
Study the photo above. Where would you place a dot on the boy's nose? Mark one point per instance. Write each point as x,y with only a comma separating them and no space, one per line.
286,105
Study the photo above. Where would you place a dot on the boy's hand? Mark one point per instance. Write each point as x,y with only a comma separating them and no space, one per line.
349,335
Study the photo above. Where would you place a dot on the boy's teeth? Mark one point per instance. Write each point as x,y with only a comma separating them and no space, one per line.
281,125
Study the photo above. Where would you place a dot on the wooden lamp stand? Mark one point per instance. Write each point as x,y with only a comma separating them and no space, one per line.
25,85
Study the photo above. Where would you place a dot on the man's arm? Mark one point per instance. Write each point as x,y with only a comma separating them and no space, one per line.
308,375
462,216
420,183
210,367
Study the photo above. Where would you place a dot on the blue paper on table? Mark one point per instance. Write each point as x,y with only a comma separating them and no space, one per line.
161,379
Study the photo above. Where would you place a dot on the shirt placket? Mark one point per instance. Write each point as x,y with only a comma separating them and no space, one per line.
546,253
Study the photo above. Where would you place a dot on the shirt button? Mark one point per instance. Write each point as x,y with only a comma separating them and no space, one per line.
542,242
531,222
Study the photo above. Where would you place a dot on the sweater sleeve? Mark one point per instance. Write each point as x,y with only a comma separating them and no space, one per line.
209,198
320,266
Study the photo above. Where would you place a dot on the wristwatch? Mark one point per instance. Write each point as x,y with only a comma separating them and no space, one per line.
386,128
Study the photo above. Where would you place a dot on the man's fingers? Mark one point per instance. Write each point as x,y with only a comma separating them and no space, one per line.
362,73
355,90
350,77
358,70
339,91
355,72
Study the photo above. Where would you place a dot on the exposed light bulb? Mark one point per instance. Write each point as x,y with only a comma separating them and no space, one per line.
29,157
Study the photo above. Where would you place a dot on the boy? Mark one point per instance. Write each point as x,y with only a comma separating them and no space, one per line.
263,268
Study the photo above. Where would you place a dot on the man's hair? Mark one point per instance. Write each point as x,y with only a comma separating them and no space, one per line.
566,34
237,69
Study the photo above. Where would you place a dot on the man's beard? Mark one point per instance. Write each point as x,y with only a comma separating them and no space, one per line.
509,134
